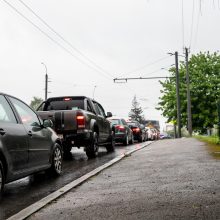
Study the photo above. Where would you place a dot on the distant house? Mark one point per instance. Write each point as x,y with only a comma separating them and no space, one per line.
152,123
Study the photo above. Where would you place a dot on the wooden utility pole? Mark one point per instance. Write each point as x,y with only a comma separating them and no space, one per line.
178,97
46,81
46,86
218,108
189,113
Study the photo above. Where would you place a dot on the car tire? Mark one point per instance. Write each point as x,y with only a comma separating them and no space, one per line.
111,147
57,160
92,148
126,141
2,179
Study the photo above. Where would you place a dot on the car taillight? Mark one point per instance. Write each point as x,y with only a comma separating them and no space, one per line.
120,127
80,120
67,99
136,129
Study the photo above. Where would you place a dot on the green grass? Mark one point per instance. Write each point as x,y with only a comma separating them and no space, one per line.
213,144
209,139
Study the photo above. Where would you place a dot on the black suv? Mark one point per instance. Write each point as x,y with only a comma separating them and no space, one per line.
27,145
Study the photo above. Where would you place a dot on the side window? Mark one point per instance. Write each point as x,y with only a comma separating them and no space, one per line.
101,110
96,108
89,108
27,116
6,113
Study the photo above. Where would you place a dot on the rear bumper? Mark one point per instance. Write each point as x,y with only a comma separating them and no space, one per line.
78,138
120,137
137,136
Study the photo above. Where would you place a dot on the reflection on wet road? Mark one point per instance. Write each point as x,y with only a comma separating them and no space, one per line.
24,192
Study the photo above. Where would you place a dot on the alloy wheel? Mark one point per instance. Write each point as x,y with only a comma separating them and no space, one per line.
57,160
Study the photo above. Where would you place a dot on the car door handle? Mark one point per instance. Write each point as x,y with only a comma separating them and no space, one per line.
2,132
30,133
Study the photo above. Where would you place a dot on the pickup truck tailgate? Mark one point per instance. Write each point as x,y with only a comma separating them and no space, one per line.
64,120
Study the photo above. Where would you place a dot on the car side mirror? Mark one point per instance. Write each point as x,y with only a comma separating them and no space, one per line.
47,123
109,114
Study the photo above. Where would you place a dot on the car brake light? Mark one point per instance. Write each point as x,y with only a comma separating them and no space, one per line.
120,127
136,129
80,119
67,99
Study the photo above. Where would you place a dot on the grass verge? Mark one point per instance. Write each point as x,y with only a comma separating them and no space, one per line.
213,144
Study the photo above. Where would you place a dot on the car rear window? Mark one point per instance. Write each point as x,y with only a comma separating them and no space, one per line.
115,121
64,105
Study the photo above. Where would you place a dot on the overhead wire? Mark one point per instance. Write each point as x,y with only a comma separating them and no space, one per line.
57,43
192,23
67,42
197,28
183,40
145,66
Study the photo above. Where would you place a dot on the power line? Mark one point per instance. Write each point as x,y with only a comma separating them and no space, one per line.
143,67
183,24
197,28
192,22
57,43
67,42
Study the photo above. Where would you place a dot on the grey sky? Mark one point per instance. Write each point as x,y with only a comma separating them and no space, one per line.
118,35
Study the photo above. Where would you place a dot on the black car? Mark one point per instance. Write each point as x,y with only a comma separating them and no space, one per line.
138,130
27,144
123,133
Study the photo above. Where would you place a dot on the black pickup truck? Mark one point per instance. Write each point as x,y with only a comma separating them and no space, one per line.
79,121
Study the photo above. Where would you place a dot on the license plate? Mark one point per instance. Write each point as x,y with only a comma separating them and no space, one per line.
60,136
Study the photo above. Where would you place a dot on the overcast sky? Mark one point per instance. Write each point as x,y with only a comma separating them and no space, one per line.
104,39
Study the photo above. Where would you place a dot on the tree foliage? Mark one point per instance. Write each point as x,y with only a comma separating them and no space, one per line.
204,73
136,111
36,102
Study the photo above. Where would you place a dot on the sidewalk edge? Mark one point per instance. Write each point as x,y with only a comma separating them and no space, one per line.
23,214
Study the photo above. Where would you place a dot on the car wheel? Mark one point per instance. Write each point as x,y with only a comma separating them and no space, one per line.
92,148
126,141
111,147
57,160
1,178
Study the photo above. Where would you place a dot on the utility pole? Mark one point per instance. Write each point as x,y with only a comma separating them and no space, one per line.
189,113
218,108
46,86
178,97
46,81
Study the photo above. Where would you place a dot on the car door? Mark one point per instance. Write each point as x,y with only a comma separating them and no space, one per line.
13,138
100,123
38,136
106,123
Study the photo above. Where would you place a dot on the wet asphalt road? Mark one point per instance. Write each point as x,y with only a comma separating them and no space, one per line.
24,192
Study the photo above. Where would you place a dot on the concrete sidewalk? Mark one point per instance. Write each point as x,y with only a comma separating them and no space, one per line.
169,179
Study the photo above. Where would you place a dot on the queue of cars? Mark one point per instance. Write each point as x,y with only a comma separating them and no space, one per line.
32,141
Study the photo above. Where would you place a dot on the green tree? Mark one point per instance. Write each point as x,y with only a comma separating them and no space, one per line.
136,111
204,72
36,102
